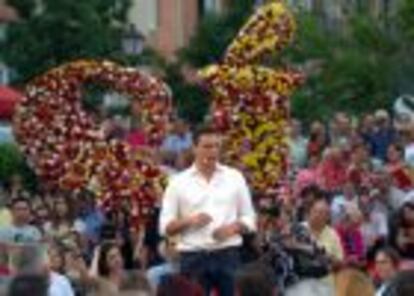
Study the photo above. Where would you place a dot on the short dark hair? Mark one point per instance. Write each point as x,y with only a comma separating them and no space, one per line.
29,284
254,279
311,195
274,211
202,131
391,253
17,200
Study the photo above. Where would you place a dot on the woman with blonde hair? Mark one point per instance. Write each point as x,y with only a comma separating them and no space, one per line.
352,282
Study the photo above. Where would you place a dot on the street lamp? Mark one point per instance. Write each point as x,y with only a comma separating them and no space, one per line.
133,41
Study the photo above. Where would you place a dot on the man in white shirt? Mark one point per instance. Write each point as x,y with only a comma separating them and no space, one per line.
59,285
208,207
20,232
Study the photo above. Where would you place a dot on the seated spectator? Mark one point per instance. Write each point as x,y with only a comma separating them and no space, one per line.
398,170
317,222
317,139
349,232
308,176
179,139
403,235
108,268
387,263
20,231
332,170
374,225
136,137
170,266
178,285
92,217
64,223
360,167
77,272
383,134
29,284
41,215
340,201
59,285
254,280
56,259
31,259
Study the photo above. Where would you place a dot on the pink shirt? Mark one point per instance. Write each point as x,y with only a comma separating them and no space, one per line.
136,139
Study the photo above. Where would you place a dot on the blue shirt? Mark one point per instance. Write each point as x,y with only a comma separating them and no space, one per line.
379,142
93,221
175,143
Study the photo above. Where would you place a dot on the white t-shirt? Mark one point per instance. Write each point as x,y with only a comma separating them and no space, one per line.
59,285
20,234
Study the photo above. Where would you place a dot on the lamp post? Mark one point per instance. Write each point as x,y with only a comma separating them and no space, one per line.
133,41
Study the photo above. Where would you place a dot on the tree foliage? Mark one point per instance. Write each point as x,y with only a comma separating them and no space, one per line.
12,162
406,20
51,32
363,60
214,34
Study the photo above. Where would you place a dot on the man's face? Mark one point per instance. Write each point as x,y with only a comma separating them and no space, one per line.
21,212
319,213
207,150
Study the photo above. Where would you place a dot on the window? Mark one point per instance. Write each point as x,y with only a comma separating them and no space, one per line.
208,6
144,14
4,74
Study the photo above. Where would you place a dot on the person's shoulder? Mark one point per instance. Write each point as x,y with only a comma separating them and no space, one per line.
330,231
31,229
6,233
59,281
231,171
181,176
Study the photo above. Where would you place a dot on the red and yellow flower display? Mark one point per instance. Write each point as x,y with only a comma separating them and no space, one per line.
67,146
250,102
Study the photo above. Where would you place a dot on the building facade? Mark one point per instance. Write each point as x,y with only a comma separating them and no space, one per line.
169,24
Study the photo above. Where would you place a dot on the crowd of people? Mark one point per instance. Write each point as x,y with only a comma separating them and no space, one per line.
342,218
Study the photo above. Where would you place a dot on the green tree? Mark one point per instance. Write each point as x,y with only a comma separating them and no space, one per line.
365,61
357,66
57,31
12,162
406,18
214,34
190,100
207,46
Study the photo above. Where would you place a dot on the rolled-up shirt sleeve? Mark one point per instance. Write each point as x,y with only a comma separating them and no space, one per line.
246,212
169,207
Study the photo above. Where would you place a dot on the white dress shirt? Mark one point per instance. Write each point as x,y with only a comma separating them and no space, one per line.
226,198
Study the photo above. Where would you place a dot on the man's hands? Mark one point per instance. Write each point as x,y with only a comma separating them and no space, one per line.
224,232
199,220
195,221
